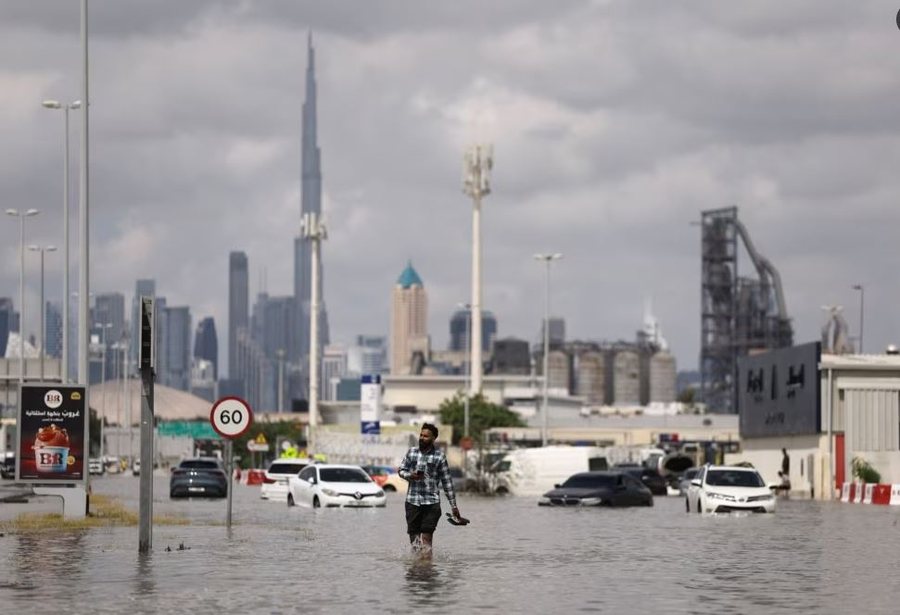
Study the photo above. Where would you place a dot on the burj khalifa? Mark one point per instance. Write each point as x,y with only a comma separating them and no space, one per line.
310,202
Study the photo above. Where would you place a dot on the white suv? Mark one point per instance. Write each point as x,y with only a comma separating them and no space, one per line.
729,489
275,481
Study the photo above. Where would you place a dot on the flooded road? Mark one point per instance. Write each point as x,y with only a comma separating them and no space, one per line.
515,556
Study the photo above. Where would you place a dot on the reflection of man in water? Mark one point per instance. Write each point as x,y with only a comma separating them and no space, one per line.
427,470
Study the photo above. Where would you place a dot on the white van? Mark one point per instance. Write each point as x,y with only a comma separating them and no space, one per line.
534,471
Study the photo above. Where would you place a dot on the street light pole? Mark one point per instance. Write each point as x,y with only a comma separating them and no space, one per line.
314,230
547,258
468,308
43,332
862,296
477,165
22,215
64,361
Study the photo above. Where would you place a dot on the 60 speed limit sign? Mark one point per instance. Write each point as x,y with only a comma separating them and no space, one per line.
230,417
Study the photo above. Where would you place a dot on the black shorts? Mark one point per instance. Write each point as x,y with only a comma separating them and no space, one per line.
422,519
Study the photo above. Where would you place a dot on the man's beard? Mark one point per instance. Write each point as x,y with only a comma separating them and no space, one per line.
423,444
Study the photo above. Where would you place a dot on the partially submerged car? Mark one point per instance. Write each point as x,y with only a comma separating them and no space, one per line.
609,488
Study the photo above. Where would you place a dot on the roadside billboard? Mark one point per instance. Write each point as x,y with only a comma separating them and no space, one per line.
370,404
51,446
778,392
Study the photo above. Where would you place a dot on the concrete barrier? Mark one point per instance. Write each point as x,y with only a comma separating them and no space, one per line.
870,493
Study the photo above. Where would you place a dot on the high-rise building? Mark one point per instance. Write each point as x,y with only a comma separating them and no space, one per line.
175,348
109,309
459,330
334,368
238,304
9,321
310,202
368,356
206,345
557,335
409,321
53,330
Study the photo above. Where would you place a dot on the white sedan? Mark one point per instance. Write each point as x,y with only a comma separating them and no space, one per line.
334,486
729,489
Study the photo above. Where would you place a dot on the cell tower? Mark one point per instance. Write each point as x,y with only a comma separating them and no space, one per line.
739,315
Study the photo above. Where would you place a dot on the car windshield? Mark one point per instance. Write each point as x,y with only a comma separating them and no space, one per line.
734,478
587,481
343,475
199,464
286,468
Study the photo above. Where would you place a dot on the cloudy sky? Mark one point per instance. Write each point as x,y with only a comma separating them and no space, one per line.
614,124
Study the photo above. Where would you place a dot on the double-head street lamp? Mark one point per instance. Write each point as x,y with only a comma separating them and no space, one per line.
22,215
547,259
64,365
43,345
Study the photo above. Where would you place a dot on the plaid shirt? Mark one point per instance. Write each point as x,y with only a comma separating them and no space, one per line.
437,471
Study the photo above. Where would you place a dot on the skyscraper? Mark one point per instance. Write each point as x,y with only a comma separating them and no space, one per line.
238,304
409,321
175,348
53,330
459,329
206,344
310,202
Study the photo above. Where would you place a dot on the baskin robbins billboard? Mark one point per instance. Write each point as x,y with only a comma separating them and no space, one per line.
51,436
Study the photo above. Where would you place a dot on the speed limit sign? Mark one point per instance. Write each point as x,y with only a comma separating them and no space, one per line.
230,417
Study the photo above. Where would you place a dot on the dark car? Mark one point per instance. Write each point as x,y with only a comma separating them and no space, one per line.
609,488
653,480
198,476
7,465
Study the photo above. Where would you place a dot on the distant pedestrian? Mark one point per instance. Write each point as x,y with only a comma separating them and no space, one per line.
785,463
427,470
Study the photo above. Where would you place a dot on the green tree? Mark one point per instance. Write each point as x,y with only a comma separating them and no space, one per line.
483,415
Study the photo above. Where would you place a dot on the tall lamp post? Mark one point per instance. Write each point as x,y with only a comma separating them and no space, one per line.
862,296
547,259
314,230
468,308
43,340
64,364
477,165
22,215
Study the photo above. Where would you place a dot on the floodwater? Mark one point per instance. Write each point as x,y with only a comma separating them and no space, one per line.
514,557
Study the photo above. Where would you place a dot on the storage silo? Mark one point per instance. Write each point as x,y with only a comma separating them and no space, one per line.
590,377
560,368
662,377
626,378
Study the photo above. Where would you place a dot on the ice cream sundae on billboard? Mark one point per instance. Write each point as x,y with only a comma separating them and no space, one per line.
51,449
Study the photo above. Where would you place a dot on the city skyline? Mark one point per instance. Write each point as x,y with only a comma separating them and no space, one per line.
784,111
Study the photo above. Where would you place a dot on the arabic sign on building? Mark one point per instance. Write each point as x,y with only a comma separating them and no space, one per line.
778,392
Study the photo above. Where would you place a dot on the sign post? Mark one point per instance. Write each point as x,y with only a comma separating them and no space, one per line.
230,417
147,363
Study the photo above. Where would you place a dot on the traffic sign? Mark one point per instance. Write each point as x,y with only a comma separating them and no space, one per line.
231,417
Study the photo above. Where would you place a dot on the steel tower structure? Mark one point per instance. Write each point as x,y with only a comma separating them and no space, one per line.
738,315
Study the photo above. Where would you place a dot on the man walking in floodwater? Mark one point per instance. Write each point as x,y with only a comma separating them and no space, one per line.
426,469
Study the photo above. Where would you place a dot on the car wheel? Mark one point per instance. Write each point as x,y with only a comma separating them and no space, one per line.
389,488
316,503
290,500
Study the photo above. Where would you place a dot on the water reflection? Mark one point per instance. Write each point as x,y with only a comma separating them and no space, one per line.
144,579
43,558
